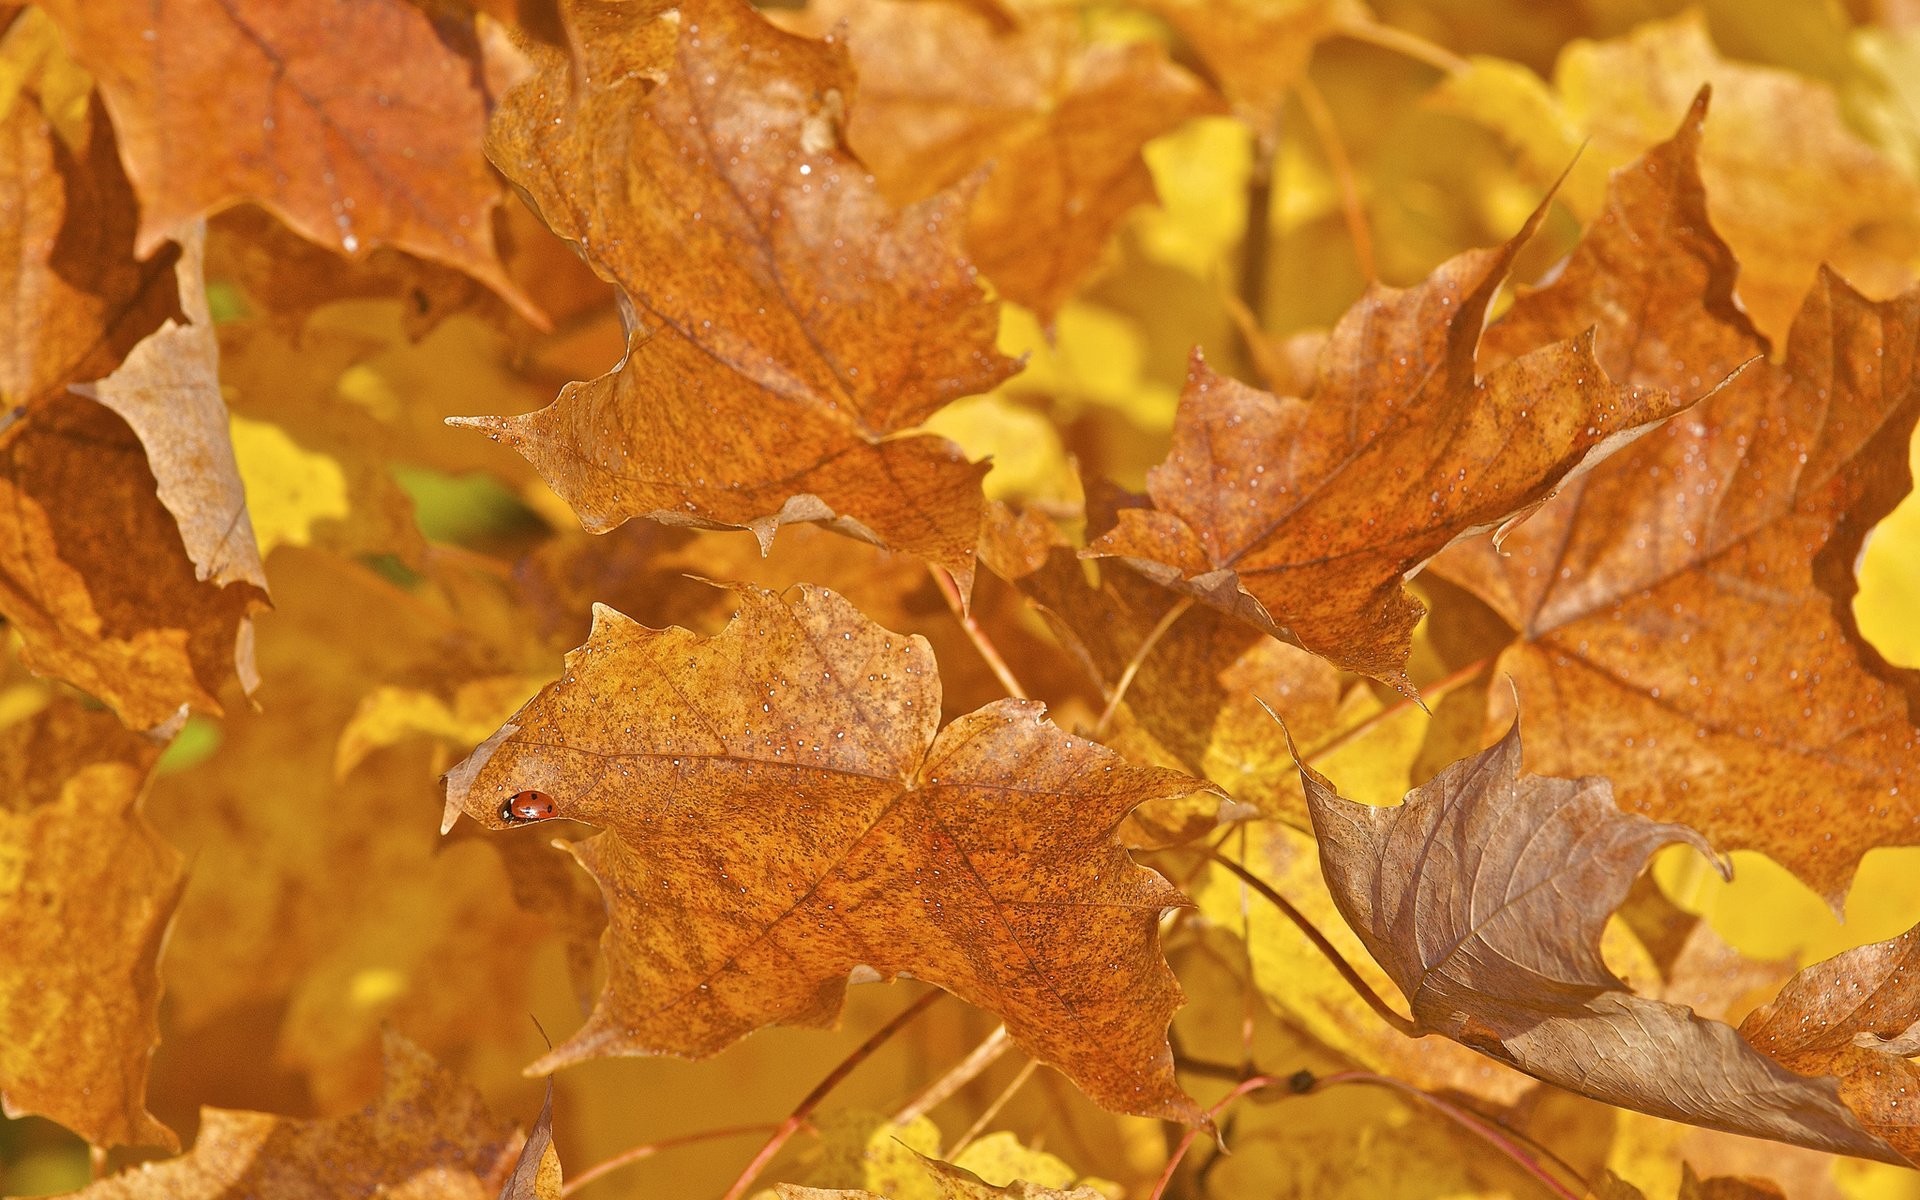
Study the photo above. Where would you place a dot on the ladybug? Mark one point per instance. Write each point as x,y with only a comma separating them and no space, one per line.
527,806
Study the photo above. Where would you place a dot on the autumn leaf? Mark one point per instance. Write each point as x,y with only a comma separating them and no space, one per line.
779,811
1484,895
1853,1017
1055,120
786,321
1682,612
1820,193
87,887
96,578
168,392
351,149
1304,516
536,1173
428,1134
72,278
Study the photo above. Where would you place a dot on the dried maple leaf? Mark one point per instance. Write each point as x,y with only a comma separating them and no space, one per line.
168,391
222,101
427,1137
787,321
1484,896
1683,612
1855,1017
779,811
87,888
94,575
1055,119
1305,516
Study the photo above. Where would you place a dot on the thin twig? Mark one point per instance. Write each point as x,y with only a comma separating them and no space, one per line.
1140,653
992,1110
798,1118
1387,37
1435,691
637,1153
978,636
1186,1142
1471,1122
964,1072
1321,118
1320,943
1256,241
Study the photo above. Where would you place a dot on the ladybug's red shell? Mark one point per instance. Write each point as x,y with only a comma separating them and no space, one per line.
527,806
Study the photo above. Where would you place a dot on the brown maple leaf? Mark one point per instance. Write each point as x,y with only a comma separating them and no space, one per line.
168,391
94,575
779,811
787,322
1683,612
87,888
427,1137
1056,120
1484,896
1305,516
222,101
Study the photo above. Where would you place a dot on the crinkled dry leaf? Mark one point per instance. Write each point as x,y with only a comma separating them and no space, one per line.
1055,119
1683,611
87,887
1484,896
536,1173
94,575
787,321
168,390
1305,516
427,1137
1855,1017
1294,979
291,106
779,810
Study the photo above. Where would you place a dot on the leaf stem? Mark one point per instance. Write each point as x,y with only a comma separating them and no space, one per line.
637,1153
798,1118
1487,1131
964,1072
978,636
1440,688
1132,668
992,1110
1412,45
1186,1142
1321,118
1256,241
1320,943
